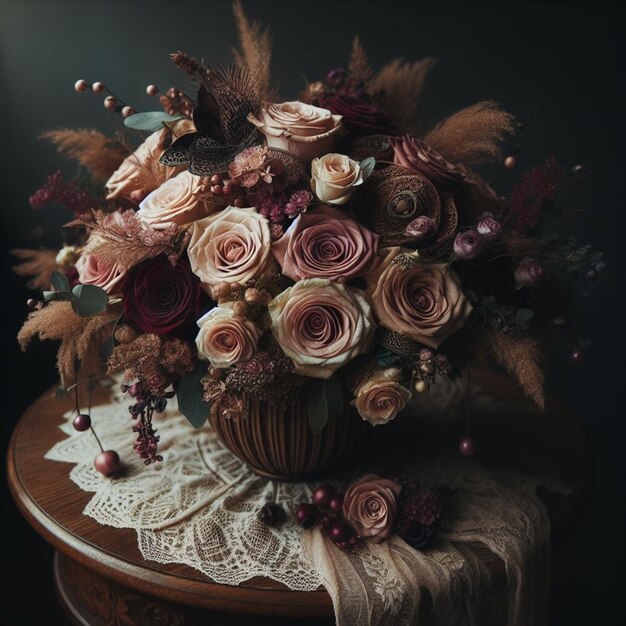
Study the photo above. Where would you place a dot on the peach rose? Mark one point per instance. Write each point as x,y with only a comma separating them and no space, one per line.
326,243
179,199
130,179
423,301
380,398
225,338
321,325
334,177
233,246
370,505
302,129
92,270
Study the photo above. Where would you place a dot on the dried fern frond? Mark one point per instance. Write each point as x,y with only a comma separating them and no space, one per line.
80,337
359,67
256,50
401,84
125,240
96,152
521,357
36,264
473,134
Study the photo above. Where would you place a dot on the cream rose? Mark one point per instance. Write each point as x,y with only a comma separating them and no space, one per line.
334,177
225,338
380,398
130,179
302,129
92,270
321,325
232,246
179,200
423,301
370,505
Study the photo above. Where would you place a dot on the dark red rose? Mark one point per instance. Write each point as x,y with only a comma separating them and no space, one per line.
359,115
161,298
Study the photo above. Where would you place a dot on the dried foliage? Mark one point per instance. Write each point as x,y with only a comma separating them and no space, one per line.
401,84
472,135
80,337
359,67
125,240
256,50
96,152
37,264
187,64
521,357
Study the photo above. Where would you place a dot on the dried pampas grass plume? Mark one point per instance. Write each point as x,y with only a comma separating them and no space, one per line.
256,51
359,67
36,264
96,152
80,337
472,135
401,85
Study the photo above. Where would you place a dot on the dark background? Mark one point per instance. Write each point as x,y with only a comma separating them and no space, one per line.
559,66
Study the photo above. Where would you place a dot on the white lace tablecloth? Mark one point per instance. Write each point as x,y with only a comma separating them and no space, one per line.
199,507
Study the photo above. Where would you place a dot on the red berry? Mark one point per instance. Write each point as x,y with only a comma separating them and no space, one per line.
107,462
240,203
323,494
218,190
340,531
98,87
228,189
307,515
81,422
336,503
217,179
577,356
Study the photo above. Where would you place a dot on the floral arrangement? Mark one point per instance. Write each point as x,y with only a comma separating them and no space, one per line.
233,246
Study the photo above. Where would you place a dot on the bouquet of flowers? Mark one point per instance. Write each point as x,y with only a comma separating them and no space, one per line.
231,248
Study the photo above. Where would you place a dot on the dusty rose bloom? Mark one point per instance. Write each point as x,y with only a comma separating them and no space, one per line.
250,166
380,398
489,227
302,129
468,244
370,505
231,246
529,271
321,325
423,301
225,338
92,270
421,227
334,178
326,243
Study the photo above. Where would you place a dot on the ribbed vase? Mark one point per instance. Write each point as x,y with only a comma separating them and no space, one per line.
276,441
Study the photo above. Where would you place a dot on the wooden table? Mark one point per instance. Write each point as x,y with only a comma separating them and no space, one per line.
101,577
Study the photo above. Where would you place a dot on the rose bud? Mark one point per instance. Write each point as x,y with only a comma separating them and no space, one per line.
529,271
489,227
468,244
421,227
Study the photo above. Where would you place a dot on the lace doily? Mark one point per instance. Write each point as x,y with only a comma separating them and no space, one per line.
199,507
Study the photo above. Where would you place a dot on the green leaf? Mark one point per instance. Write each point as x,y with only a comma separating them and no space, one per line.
49,295
88,300
367,167
579,255
189,392
324,401
59,281
150,121
525,314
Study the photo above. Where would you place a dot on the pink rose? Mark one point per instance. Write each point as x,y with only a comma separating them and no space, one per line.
421,227
380,398
232,246
370,505
489,227
334,178
423,301
468,244
529,271
302,129
180,199
225,338
321,325
326,243
92,270
417,155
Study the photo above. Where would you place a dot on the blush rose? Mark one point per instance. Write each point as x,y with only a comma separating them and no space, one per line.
334,178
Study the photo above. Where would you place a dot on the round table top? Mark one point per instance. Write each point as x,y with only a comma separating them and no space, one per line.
53,505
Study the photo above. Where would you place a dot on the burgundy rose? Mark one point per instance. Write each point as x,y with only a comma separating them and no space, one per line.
489,227
529,271
359,115
418,156
468,244
161,298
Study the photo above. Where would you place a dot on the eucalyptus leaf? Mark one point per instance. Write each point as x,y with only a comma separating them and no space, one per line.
88,300
367,167
189,393
59,281
324,401
150,121
525,314
49,295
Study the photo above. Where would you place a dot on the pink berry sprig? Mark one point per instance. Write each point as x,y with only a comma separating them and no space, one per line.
111,102
221,185
326,512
